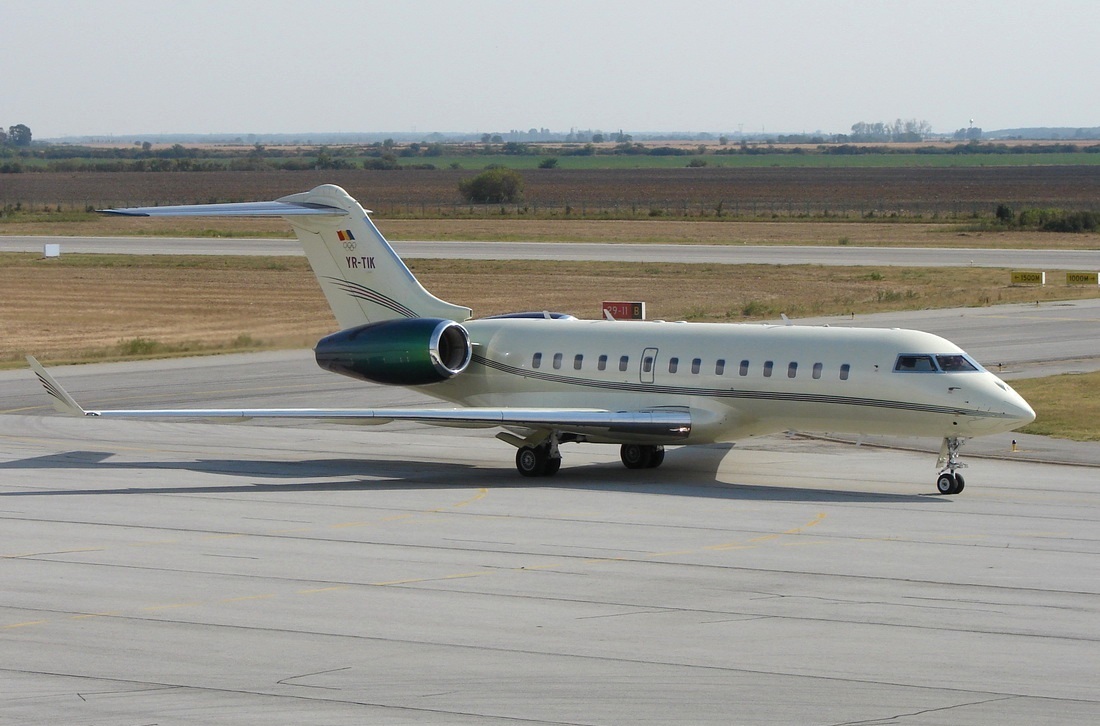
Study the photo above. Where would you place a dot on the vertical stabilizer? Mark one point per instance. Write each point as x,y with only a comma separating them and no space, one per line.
362,277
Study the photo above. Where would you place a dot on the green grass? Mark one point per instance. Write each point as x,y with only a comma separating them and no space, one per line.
1066,406
751,161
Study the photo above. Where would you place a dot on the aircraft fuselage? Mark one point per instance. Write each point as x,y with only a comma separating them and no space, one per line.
739,380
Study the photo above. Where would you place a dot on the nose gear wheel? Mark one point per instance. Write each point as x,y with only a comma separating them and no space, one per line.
949,481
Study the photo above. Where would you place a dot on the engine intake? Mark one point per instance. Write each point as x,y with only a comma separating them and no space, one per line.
406,352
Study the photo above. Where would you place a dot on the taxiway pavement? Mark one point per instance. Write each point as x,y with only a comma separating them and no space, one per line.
1052,260
193,573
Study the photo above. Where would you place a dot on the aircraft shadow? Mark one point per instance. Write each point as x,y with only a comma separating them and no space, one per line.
679,476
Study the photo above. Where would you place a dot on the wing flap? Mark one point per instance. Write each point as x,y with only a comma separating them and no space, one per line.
674,423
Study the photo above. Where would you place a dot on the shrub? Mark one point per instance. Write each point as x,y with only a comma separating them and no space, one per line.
493,186
385,162
1074,222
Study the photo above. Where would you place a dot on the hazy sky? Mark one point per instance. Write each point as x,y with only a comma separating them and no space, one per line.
128,67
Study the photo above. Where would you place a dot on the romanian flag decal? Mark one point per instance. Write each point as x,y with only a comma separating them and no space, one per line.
345,235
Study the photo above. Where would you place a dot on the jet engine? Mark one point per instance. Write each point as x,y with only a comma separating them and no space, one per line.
404,352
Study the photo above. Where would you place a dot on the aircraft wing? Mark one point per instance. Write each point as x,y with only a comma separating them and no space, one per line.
668,422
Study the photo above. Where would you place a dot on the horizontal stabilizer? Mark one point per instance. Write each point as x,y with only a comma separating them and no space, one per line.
243,209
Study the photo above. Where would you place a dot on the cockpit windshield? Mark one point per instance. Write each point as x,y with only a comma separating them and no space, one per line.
955,363
918,363
915,364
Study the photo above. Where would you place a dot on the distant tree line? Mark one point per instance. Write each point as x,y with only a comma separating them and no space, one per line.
1048,220
970,133
18,135
898,131
17,155
16,139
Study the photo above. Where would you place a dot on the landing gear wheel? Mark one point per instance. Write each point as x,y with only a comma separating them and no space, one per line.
552,465
536,461
532,460
948,484
949,481
637,456
657,458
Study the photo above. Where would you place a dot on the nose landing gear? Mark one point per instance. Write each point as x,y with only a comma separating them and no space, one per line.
949,482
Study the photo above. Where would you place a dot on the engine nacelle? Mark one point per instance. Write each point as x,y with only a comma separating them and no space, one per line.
408,352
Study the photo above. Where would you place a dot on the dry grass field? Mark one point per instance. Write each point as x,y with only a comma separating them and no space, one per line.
88,307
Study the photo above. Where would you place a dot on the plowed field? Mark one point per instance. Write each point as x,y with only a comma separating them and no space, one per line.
755,192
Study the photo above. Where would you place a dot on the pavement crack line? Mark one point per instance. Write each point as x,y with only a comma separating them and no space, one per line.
899,717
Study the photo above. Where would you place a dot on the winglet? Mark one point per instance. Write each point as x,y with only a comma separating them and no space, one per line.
62,401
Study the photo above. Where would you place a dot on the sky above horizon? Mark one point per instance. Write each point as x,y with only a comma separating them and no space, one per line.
128,67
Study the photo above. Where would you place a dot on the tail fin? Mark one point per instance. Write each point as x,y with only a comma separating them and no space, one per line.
362,277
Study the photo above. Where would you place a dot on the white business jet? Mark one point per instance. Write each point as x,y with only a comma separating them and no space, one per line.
547,379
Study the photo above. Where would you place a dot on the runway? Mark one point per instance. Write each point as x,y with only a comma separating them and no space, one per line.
1052,260
177,573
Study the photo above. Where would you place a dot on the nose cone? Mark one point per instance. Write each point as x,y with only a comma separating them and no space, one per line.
1019,409
1015,408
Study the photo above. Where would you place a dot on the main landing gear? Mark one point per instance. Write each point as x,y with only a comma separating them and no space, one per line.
544,459
948,481
638,456
541,460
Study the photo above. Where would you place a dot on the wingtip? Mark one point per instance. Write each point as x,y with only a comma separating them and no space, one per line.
62,401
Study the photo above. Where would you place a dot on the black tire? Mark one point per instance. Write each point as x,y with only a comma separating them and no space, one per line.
959,483
531,460
553,463
636,456
947,484
657,458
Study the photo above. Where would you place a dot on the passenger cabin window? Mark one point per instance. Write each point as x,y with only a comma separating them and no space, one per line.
578,361
557,361
602,363
817,371
915,364
647,364
955,363
719,367
536,360
744,369
624,361
792,370
673,364
768,368
696,364
844,371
